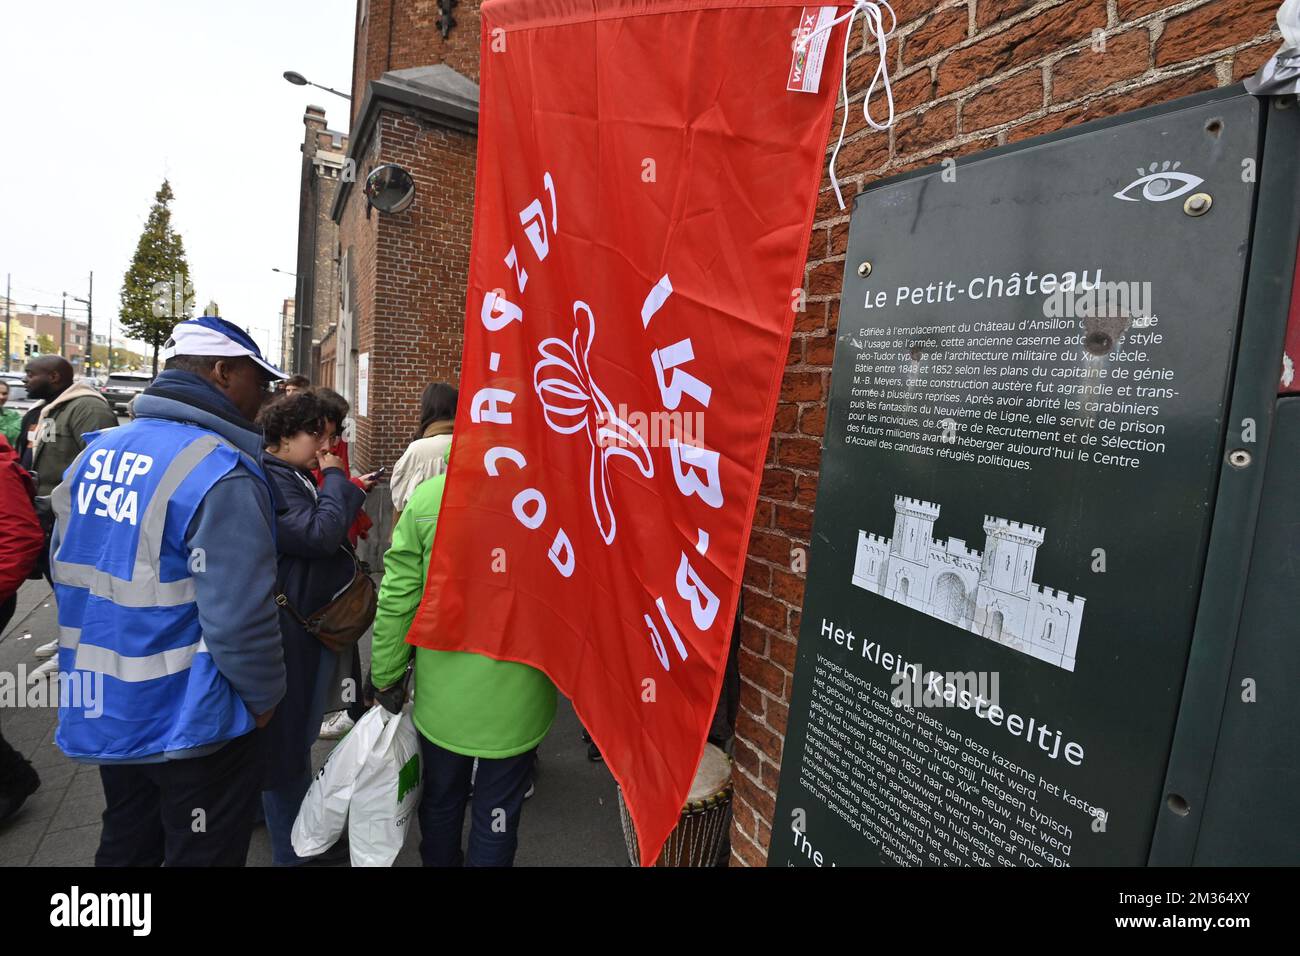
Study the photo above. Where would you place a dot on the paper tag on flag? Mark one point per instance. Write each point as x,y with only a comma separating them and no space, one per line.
806,64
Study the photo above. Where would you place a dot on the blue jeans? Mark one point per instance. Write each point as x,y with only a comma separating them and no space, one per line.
498,801
281,808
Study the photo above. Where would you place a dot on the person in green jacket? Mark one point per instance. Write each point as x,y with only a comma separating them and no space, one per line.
466,706
10,420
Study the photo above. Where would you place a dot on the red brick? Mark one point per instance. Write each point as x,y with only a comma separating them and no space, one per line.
777,484
777,715
920,131
1244,62
869,151
799,453
825,278
812,421
1215,26
812,318
817,241
781,651
771,547
802,387
827,207
763,511
914,89
1184,85
1003,102
794,352
748,852
796,521
1024,42
819,350
768,612
839,238
771,777
1047,124
1134,9
759,734
748,760
787,416
757,574
908,10
788,586
762,802
752,700
744,851
806,490
940,31
753,637
988,12
1127,56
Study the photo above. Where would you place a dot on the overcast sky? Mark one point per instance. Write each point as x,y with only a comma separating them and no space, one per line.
99,101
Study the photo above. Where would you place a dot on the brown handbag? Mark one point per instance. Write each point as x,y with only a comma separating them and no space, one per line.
340,623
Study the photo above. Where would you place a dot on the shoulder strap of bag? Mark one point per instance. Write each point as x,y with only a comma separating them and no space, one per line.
359,567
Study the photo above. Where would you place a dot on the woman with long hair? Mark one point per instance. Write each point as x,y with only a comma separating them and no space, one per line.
426,456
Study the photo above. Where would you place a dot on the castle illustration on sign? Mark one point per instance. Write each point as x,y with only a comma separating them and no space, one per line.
990,594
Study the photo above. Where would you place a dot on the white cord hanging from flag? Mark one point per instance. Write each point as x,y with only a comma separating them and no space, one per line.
873,21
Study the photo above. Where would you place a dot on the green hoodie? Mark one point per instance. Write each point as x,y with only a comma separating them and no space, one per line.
464,702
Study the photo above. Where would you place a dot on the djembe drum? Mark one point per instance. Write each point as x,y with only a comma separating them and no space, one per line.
699,838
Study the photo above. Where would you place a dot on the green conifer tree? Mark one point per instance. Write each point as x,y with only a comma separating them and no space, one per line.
156,290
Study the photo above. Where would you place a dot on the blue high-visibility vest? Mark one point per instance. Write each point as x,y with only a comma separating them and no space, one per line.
136,680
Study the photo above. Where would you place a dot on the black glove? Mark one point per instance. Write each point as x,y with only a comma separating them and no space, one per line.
390,698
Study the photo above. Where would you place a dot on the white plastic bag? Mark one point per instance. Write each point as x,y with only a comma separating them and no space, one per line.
386,793
324,810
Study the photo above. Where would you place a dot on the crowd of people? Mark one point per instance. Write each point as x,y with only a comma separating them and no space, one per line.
204,567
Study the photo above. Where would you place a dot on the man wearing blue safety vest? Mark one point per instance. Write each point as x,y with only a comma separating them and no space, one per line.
163,560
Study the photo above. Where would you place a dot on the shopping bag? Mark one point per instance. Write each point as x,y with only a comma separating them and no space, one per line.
386,793
324,810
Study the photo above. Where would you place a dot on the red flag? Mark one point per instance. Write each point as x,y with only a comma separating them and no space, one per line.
647,176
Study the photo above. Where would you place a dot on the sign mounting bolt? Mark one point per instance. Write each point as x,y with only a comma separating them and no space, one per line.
1198,204
864,269
1239,458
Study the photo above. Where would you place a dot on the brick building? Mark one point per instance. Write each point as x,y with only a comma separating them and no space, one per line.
69,338
403,275
967,75
286,331
317,289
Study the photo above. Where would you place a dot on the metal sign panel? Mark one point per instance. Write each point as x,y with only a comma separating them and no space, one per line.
1024,442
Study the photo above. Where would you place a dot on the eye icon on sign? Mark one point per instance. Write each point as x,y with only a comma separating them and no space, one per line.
1160,182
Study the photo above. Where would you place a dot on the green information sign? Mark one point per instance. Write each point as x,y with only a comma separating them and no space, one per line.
1027,426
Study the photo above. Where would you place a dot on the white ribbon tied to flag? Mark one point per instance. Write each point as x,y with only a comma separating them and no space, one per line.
873,21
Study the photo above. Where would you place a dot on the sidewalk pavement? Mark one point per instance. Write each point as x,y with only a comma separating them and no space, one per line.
572,820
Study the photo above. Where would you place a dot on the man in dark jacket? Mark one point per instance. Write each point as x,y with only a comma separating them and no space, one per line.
69,412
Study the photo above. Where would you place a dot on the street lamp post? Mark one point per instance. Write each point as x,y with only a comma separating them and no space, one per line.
297,79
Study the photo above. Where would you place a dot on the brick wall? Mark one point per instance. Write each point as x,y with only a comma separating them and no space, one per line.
413,269
967,75
400,34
